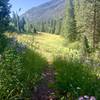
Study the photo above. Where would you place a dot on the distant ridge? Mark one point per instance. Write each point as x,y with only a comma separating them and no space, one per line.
54,9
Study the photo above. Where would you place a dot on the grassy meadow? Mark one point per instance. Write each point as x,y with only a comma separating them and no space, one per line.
49,45
72,76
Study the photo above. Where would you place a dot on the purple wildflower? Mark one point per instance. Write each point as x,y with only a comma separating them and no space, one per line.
81,98
92,98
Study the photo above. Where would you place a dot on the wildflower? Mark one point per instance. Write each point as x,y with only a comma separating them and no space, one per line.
86,97
81,98
92,98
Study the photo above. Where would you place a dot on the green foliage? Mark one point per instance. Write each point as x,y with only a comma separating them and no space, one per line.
53,26
86,47
22,24
19,73
70,30
58,27
3,42
35,31
4,21
75,79
11,71
17,24
33,64
86,14
4,15
43,27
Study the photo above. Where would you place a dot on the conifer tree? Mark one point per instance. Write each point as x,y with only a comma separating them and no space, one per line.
58,27
87,14
35,31
70,29
42,27
4,21
53,26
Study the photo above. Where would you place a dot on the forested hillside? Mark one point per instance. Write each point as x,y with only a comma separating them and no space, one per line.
54,9
51,52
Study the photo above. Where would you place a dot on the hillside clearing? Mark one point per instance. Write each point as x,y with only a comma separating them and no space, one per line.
49,45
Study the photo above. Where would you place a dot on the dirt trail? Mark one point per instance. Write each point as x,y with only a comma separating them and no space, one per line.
43,92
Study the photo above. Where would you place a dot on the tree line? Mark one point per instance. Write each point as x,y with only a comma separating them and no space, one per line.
83,19
22,25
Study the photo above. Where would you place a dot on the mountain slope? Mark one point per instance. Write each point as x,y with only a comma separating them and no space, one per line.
50,10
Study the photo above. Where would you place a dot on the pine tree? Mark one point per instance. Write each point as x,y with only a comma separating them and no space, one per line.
70,29
18,23
53,26
4,21
88,20
96,22
31,28
35,31
58,26
79,15
27,25
86,46
43,27
22,23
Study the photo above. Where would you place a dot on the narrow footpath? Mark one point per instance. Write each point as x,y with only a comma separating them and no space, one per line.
43,90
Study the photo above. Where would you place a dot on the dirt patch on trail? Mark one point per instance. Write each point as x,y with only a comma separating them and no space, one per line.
43,90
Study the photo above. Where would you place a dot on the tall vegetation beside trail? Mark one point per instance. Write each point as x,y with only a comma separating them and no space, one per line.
20,71
74,79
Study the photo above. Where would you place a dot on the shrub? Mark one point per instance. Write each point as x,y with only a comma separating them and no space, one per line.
34,65
19,72
11,71
3,42
75,79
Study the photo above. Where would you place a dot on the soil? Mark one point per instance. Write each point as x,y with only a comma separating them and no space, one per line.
43,90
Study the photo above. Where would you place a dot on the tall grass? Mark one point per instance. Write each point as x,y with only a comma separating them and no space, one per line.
74,79
11,71
19,73
34,64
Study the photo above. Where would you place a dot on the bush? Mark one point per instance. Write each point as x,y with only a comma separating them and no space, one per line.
19,73
3,42
74,79
11,71
34,65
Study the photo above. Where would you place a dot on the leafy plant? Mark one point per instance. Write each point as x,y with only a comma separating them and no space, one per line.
11,71
19,73
74,79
